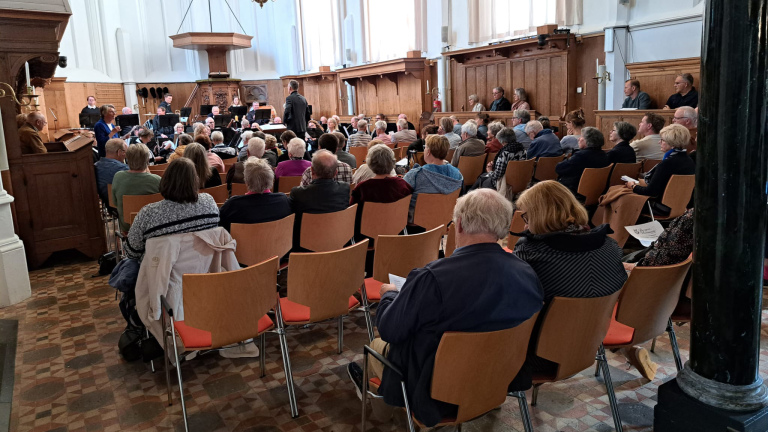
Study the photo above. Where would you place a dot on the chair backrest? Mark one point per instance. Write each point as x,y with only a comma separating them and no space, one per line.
401,254
401,151
239,189
449,156
517,226
518,175
286,183
228,163
229,305
490,157
323,281
390,145
420,158
261,241
384,218
111,198
648,298
323,232
158,169
545,167
223,177
432,210
471,167
648,164
592,183
219,193
677,195
624,169
473,370
571,331
359,153
133,203
450,241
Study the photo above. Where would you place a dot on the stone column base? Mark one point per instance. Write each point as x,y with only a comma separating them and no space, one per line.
14,278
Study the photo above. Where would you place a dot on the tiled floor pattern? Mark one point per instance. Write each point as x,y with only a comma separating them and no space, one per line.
70,377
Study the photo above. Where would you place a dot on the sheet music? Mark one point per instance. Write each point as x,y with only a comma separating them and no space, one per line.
397,281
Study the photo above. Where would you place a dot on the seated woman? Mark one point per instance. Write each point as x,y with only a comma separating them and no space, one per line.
496,169
482,125
364,172
590,155
207,177
437,176
381,132
259,204
418,145
136,181
493,145
220,149
296,165
271,152
213,159
182,210
574,123
674,142
520,100
383,187
621,134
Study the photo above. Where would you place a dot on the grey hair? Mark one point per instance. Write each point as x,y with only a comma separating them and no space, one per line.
258,174
495,127
593,137
403,123
690,113
380,159
297,147
137,157
506,136
523,115
247,135
474,98
469,128
484,211
217,137
381,124
324,164
533,126
293,84
256,147
362,124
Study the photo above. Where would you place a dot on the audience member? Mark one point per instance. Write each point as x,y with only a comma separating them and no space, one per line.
181,145
436,176
446,129
674,140
496,169
104,130
213,159
474,103
220,149
470,145
590,155
361,137
136,181
648,146
29,133
621,134
500,103
182,210
689,118
493,145
343,170
418,145
456,125
271,152
109,165
634,97
480,288
481,119
381,132
364,172
342,155
520,100
383,187
519,120
544,120
296,165
544,142
256,148
259,204
685,93
574,123
403,134
207,175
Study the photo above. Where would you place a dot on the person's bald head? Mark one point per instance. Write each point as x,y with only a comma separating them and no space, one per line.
36,119
324,165
686,116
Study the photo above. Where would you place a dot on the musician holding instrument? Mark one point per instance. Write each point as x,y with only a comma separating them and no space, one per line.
214,111
161,132
104,129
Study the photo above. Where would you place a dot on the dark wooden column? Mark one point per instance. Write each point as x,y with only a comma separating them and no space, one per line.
719,386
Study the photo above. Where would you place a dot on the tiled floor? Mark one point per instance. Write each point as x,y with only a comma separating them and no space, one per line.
69,376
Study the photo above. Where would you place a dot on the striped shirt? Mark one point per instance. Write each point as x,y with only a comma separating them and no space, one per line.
359,139
168,217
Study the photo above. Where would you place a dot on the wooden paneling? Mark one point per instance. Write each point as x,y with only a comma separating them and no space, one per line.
68,99
605,120
274,90
658,78
581,72
180,92
321,90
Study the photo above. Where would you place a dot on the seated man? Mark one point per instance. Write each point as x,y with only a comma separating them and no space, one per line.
544,142
435,176
403,134
255,148
341,155
109,165
220,149
470,144
343,171
519,120
480,288
685,93
29,134
260,204
634,97
361,137
648,146
500,103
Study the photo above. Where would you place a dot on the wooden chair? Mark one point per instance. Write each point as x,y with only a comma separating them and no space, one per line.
324,232
648,164
261,241
449,156
222,309
471,167
419,158
645,308
545,168
219,193
401,152
228,163
158,169
571,331
321,286
432,210
390,145
624,169
133,203
676,196
450,241
359,153
471,370
285,184
519,175
490,157
384,218
239,189
223,177
517,226
592,184
398,255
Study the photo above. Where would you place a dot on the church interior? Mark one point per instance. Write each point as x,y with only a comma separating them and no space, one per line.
366,215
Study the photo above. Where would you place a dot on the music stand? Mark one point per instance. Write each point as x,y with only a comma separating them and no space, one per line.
238,112
262,114
205,109
127,120
168,120
221,120
184,113
88,120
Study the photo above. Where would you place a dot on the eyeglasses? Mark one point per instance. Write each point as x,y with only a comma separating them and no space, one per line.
679,118
525,217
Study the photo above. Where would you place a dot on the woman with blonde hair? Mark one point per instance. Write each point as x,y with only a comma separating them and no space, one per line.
674,142
207,177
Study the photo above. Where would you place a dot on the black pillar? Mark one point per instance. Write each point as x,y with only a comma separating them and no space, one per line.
719,386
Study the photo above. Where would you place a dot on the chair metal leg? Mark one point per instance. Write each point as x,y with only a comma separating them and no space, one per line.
609,388
364,389
167,361
341,333
286,361
535,396
151,362
653,344
262,355
411,428
597,369
178,373
524,414
367,312
675,348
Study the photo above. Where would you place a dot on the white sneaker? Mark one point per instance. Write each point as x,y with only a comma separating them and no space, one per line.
249,349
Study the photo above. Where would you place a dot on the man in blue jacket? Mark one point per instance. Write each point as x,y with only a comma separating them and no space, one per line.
544,142
479,288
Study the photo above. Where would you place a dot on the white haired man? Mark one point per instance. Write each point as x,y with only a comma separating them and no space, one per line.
403,134
470,144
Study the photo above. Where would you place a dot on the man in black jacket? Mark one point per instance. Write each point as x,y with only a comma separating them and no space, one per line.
500,103
590,155
480,288
295,115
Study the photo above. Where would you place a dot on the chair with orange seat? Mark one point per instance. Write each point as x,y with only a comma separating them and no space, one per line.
545,168
624,169
593,184
324,232
384,218
321,286
570,334
259,242
471,167
286,183
471,370
219,193
518,175
398,255
222,309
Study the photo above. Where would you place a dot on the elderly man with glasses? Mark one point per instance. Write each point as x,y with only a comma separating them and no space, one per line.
689,118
